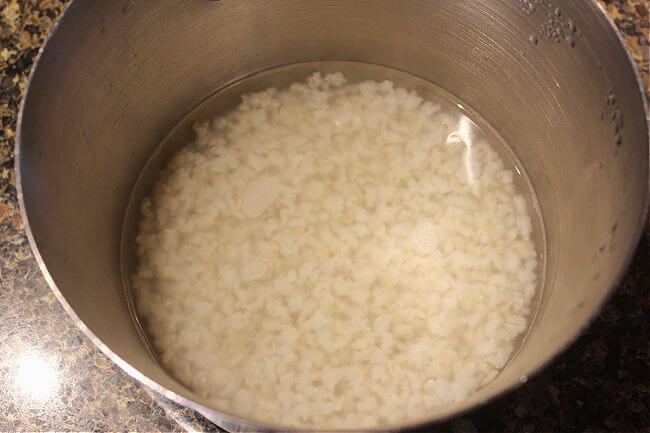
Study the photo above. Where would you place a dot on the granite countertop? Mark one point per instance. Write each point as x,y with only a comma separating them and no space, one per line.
53,378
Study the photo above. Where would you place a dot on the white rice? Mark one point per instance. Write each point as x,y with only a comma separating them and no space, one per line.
335,255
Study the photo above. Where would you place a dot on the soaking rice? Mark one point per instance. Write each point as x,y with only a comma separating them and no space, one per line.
335,255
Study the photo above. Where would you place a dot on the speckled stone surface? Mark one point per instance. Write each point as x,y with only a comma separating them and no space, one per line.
53,378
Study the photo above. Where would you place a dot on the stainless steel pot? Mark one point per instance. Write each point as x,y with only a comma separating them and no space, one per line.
552,77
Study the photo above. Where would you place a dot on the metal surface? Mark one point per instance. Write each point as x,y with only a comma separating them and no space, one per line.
115,77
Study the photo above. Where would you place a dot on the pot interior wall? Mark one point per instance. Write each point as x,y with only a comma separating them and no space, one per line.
117,76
